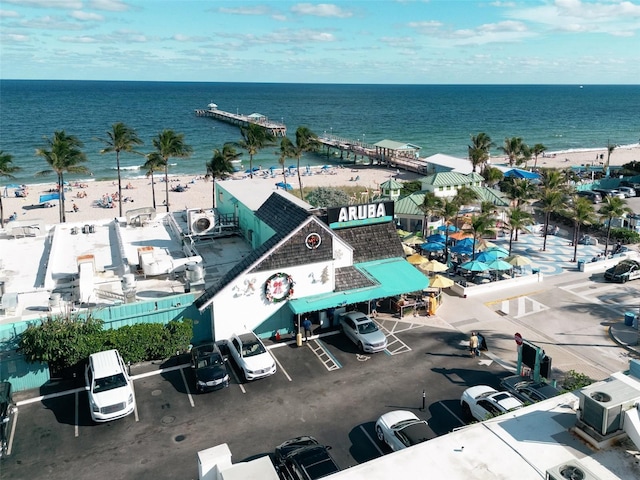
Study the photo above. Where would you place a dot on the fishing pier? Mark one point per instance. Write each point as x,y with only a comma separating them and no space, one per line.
277,129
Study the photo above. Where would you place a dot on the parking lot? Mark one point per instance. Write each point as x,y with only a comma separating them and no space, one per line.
325,388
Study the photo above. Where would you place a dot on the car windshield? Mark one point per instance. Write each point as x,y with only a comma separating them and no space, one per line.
210,361
624,267
367,327
249,349
109,383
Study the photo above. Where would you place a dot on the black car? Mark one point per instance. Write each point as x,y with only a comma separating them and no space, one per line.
303,458
7,410
208,364
527,390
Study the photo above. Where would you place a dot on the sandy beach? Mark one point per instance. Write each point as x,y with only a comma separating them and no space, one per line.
198,191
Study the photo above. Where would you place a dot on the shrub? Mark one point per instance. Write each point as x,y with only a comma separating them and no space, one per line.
625,235
575,380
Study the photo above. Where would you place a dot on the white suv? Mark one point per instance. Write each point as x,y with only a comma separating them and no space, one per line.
110,390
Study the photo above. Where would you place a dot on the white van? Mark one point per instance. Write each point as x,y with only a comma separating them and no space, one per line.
110,390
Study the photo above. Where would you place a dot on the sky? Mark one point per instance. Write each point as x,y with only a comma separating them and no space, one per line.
361,42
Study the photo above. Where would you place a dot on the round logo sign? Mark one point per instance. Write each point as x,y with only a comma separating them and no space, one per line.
518,338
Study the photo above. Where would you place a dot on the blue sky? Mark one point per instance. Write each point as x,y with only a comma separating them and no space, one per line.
367,41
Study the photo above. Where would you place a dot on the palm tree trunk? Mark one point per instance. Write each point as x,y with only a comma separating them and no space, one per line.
575,243
63,217
119,182
213,190
544,233
510,240
166,183
153,191
250,165
606,244
1,212
300,179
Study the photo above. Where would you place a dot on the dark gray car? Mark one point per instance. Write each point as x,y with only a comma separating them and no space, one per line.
7,410
527,390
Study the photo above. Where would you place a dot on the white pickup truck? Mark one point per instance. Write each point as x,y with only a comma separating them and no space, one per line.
623,272
251,356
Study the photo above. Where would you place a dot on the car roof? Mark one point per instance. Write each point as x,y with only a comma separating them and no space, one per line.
417,432
480,391
248,337
5,392
206,349
506,400
105,363
357,317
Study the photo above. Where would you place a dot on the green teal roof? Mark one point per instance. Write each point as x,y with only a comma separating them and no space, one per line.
476,177
393,145
492,195
391,185
444,179
409,205
392,276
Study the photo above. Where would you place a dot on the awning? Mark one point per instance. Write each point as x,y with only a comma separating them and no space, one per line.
394,276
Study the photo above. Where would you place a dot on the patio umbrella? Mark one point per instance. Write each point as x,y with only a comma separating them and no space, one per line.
460,235
408,250
326,167
433,266
437,237
284,186
517,260
432,246
413,240
467,242
451,228
461,249
485,244
416,259
487,257
441,282
500,265
475,266
499,250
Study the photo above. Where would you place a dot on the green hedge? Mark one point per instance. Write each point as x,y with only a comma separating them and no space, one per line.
64,342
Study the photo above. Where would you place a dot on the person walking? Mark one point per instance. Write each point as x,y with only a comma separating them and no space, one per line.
473,345
374,307
306,324
431,303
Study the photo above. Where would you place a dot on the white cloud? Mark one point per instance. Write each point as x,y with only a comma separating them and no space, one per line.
320,10
14,37
8,14
49,22
86,16
110,5
179,37
68,4
255,10
81,39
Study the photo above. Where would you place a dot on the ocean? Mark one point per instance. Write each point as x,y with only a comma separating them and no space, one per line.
438,118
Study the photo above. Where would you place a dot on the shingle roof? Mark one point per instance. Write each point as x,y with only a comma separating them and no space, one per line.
350,278
281,214
373,242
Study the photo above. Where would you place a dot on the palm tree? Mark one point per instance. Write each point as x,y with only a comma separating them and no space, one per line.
286,151
464,196
512,148
220,165
610,148
550,201
519,219
306,141
120,139
492,176
154,163
480,226
582,213
429,205
538,149
448,210
520,191
7,169
170,144
479,150
63,154
612,207
254,138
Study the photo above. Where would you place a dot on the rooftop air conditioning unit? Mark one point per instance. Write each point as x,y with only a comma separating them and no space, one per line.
603,404
571,470
201,222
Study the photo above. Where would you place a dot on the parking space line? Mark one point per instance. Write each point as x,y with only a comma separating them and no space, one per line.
331,363
186,386
13,432
49,396
76,416
462,422
281,367
235,377
375,444
160,371
135,404
403,348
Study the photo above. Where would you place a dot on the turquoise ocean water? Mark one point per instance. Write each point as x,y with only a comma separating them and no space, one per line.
439,118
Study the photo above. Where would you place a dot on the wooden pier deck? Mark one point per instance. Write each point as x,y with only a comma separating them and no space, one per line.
277,129
375,154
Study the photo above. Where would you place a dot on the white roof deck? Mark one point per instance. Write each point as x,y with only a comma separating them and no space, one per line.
260,191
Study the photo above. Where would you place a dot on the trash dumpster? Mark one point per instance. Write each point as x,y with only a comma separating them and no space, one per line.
629,318
581,265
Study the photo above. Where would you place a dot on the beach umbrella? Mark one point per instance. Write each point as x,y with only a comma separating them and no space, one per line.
437,237
284,186
412,240
272,168
499,264
326,167
467,242
451,228
440,282
416,259
475,266
485,244
292,167
433,266
408,250
460,235
462,249
432,246
502,252
248,170
487,257
517,260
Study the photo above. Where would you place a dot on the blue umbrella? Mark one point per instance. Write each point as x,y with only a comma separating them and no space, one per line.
475,266
325,167
437,237
462,249
292,167
432,246
467,242
451,228
248,170
499,250
272,168
284,186
487,257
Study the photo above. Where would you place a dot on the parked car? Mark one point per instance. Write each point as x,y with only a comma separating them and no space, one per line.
608,192
209,368
251,356
528,391
401,429
623,272
110,391
628,192
304,458
482,402
363,331
7,412
594,197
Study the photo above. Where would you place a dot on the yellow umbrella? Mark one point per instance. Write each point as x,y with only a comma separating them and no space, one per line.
413,240
408,250
484,244
518,260
416,259
441,282
433,266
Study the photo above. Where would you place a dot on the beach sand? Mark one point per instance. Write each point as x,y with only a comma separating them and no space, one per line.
199,191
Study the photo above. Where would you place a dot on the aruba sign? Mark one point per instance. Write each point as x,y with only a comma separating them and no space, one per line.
357,215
